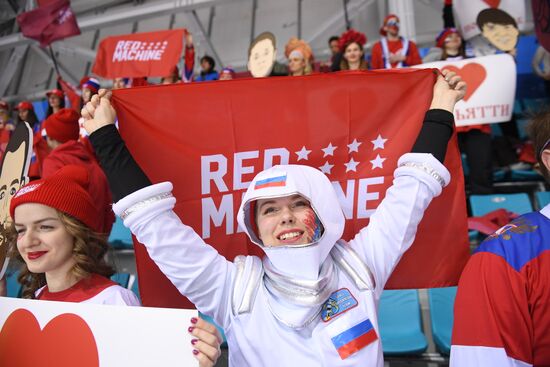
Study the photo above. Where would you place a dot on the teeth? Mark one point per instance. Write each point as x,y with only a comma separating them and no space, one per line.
289,235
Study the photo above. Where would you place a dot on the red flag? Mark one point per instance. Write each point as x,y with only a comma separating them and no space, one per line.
49,23
211,139
71,93
139,55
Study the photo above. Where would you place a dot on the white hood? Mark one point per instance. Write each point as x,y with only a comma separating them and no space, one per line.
283,180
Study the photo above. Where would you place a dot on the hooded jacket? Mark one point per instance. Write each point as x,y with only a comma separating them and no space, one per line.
244,296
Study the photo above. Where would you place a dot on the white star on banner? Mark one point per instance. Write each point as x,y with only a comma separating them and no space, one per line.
303,153
354,146
351,165
329,150
378,162
379,142
325,168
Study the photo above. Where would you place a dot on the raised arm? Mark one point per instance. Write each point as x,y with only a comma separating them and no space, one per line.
419,177
196,269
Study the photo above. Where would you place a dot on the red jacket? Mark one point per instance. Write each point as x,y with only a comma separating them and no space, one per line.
377,57
73,152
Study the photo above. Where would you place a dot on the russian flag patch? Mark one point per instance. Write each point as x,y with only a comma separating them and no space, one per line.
270,182
354,339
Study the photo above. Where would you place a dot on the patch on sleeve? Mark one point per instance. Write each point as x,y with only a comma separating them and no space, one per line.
339,302
354,339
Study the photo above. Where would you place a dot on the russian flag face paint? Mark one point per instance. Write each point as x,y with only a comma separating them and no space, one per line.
278,181
354,339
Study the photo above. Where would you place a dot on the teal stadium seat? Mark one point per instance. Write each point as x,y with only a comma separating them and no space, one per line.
516,203
400,323
121,278
543,198
120,237
14,288
441,302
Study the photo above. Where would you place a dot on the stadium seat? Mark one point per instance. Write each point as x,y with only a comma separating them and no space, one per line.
441,302
516,203
400,323
13,286
120,237
121,278
543,198
525,175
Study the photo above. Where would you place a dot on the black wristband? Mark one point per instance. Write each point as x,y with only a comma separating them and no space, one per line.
122,171
435,134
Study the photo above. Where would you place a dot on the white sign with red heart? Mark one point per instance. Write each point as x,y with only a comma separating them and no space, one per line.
491,89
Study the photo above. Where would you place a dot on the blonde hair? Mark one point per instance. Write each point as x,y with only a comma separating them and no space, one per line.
89,252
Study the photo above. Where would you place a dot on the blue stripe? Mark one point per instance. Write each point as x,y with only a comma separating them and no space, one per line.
523,246
351,334
270,180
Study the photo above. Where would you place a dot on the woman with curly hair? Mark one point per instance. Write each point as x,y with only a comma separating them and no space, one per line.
56,235
353,55
299,56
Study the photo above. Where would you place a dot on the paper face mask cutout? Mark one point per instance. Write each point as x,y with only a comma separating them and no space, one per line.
261,55
13,174
499,28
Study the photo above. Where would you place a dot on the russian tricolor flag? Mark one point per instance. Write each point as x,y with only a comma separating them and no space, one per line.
354,339
270,182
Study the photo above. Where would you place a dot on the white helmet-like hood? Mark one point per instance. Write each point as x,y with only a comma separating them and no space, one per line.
284,180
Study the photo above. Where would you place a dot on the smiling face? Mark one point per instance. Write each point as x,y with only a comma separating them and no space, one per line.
262,56
353,53
54,101
453,42
43,241
285,221
11,180
502,36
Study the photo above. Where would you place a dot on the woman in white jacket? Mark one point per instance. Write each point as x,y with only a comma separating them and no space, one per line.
312,300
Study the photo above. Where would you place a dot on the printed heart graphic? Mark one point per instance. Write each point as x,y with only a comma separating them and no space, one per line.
65,341
492,3
473,74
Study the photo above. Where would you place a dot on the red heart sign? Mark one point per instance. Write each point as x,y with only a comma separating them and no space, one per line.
65,341
492,3
473,74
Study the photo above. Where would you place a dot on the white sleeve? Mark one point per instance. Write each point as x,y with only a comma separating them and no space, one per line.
195,268
115,295
469,356
392,228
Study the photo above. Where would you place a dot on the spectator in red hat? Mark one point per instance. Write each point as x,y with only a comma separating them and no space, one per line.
90,86
56,101
351,46
62,135
57,236
393,51
25,112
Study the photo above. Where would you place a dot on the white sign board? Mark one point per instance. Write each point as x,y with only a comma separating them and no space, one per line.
466,11
44,333
491,88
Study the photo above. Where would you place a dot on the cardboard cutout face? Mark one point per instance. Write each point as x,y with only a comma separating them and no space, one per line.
261,55
499,28
13,174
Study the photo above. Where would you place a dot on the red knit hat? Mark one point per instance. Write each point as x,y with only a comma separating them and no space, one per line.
55,92
63,125
386,20
66,191
440,40
24,105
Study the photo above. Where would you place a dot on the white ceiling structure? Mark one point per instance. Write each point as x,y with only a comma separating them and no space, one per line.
221,28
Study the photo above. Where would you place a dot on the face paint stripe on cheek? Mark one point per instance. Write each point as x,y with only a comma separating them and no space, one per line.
310,223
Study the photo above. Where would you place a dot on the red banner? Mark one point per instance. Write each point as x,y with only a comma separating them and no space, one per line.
71,93
50,22
210,139
541,11
138,55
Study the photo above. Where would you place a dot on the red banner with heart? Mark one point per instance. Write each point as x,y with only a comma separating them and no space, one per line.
210,139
